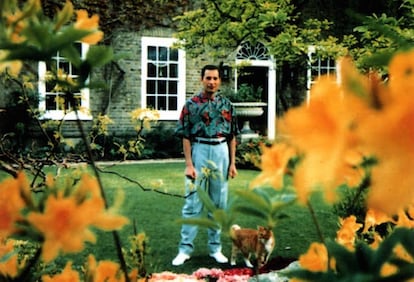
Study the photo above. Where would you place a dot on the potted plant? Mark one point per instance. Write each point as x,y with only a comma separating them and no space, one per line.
247,99
248,103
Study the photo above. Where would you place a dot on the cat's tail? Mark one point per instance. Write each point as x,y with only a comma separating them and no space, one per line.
233,229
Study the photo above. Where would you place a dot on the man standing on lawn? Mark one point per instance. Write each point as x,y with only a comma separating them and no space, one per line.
208,128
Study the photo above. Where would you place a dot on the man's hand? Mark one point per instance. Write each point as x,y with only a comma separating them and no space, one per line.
190,172
232,171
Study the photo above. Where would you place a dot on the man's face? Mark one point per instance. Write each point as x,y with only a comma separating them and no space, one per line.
211,81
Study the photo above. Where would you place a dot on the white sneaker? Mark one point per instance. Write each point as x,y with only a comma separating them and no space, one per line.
180,259
219,257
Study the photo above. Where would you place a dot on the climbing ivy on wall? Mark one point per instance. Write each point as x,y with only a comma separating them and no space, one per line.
125,14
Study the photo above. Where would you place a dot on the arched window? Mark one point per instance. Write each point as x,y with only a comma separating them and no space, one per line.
247,51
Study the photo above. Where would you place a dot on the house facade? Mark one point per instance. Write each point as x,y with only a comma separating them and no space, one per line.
149,72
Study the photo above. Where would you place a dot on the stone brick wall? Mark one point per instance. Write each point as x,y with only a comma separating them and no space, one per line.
121,91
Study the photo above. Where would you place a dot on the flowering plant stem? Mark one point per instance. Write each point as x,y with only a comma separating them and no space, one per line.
315,221
115,234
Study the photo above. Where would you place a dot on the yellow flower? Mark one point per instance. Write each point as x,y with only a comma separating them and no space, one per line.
11,192
12,67
377,239
389,135
66,221
401,72
405,219
104,271
16,22
83,22
274,163
67,275
64,15
63,225
316,258
388,269
401,253
323,132
374,217
346,234
8,266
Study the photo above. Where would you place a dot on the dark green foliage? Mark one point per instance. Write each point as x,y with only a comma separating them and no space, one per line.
161,142
248,153
365,263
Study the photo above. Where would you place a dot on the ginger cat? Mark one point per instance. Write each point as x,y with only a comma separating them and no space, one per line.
247,241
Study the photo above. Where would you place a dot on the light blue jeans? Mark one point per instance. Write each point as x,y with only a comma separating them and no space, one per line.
215,160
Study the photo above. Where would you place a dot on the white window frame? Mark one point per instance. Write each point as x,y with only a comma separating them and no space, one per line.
317,65
181,79
83,112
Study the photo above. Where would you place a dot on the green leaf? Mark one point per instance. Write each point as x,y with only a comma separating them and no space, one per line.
346,262
205,198
249,210
72,55
255,199
98,56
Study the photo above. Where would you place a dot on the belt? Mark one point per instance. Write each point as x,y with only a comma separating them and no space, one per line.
210,141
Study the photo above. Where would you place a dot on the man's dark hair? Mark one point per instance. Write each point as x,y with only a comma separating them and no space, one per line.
210,67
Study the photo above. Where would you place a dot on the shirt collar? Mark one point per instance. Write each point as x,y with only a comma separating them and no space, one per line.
204,97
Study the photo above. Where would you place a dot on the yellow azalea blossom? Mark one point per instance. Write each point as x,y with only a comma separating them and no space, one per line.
346,234
377,239
66,221
388,269
401,253
401,72
8,267
16,22
104,271
273,164
11,192
67,275
315,259
393,121
393,157
323,133
404,219
64,15
12,67
83,22
353,174
374,217
141,114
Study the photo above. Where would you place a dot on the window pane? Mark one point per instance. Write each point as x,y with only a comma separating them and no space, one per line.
174,70
173,55
151,88
163,71
152,53
151,102
50,102
163,53
152,70
78,47
75,71
172,87
64,66
77,101
162,87
50,86
172,103
162,103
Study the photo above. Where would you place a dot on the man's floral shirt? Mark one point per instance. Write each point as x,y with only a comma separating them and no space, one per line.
208,118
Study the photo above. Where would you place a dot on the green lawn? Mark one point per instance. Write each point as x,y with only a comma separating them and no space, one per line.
156,213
